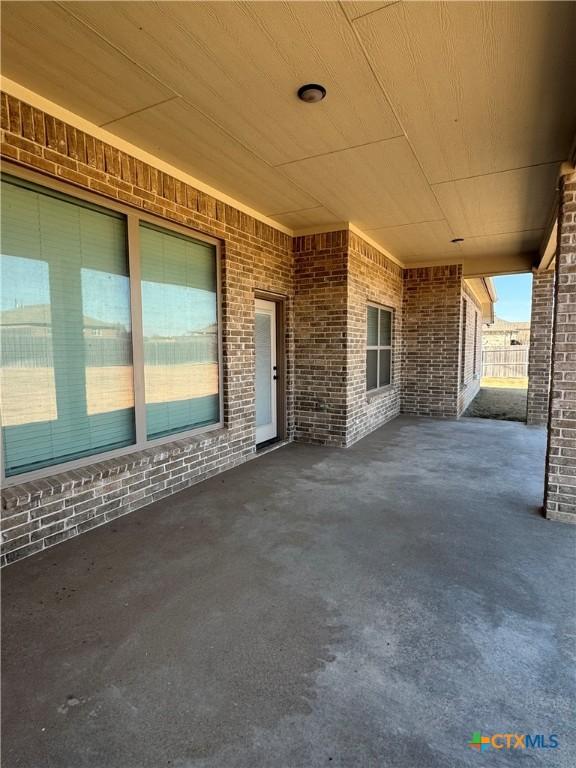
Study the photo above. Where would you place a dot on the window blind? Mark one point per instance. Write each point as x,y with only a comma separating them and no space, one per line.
180,326
65,329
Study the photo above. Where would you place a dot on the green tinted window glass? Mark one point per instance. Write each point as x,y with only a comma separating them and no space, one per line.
180,323
65,331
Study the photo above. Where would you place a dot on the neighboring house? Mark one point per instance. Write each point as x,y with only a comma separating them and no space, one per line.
30,337
505,333
36,319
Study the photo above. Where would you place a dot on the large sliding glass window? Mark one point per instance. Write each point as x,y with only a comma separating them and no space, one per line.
180,323
65,336
68,361
64,330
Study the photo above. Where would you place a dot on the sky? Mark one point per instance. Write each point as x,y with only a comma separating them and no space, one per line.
168,310
514,297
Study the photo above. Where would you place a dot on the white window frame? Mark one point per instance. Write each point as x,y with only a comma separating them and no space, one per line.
463,345
475,355
133,219
378,347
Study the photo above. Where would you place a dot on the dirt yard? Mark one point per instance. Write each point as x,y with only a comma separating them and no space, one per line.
505,403
29,394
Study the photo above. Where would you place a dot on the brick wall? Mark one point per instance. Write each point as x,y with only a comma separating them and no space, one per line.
336,275
326,279
471,351
371,278
540,354
560,487
321,263
431,341
255,257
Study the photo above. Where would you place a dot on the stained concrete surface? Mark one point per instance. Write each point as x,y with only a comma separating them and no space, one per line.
364,608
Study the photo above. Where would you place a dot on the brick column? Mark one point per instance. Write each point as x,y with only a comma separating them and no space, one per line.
560,484
432,315
540,356
320,308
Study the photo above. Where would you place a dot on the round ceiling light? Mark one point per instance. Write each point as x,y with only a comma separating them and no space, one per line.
311,93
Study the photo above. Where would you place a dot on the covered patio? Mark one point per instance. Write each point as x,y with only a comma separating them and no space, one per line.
247,254
366,606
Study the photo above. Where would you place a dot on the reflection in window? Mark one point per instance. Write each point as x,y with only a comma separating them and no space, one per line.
179,317
25,342
65,329
106,321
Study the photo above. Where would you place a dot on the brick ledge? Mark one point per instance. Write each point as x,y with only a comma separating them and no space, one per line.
65,483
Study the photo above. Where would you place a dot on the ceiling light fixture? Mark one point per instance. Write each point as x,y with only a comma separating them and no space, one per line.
311,93
457,240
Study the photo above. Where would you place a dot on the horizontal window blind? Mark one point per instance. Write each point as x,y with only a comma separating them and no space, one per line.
378,347
180,325
65,329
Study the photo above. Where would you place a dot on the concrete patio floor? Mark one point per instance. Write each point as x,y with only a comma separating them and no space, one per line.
363,608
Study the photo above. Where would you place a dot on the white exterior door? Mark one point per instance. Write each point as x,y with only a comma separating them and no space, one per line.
266,375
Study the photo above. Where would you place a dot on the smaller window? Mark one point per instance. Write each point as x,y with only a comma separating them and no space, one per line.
474,365
378,347
463,342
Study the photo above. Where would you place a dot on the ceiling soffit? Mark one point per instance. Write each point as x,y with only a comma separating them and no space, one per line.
442,120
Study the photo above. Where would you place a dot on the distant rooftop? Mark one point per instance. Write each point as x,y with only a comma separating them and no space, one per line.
40,315
500,324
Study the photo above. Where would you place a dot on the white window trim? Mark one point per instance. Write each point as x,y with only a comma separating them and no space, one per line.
475,354
133,219
377,348
463,345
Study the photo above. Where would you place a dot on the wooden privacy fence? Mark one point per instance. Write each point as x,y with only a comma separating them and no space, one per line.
505,362
21,348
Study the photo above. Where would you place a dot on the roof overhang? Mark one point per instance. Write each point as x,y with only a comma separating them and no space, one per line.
549,242
423,139
485,293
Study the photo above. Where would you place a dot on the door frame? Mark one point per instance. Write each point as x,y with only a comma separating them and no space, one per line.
280,303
